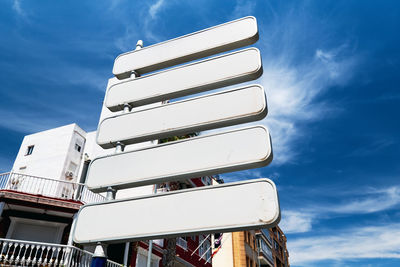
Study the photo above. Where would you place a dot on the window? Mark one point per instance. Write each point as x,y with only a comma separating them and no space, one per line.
78,147
29,150
276,246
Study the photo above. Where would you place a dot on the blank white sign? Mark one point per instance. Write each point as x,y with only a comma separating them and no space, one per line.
212,111
222,208
228,69
229,151
224,37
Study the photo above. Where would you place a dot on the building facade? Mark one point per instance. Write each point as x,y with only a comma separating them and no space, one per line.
264,247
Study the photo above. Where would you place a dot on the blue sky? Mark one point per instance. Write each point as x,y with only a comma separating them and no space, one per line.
331,74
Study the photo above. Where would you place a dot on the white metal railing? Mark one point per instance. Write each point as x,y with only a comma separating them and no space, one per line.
182,243
48,187
28,253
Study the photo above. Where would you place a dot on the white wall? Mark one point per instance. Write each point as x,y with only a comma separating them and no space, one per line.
53,152
224,257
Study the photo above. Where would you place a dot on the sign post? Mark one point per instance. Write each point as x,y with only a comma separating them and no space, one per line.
223,151
99,257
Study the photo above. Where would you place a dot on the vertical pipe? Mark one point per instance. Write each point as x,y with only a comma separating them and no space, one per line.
1,207
126,253
100,258
151,241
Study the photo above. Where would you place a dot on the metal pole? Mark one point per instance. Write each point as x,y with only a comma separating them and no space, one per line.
99,258
258,250
120,146
151,241
126,252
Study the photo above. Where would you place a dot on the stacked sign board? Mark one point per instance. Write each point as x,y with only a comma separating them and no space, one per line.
226,151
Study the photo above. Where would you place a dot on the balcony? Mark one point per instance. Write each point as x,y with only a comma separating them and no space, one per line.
265,232
265,255
27,253
58,189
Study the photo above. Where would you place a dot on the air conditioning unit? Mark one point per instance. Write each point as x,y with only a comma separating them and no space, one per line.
69,175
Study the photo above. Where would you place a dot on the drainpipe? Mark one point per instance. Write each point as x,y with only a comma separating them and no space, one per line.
82,179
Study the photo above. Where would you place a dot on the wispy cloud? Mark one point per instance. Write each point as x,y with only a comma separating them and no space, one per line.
127,41
73,74
292,92
376,201
294,84
18,8
296,222
381,241
155,8
145,28
27,122
243,8
370,201
371,148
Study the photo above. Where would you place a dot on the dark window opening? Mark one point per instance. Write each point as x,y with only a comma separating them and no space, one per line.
29,150
78,147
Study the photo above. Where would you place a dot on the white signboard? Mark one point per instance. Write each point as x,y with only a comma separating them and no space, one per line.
245,205
228,69
225,37
192,115
229,151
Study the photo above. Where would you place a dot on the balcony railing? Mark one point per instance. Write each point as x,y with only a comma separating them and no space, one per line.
27,253
182,243
48,187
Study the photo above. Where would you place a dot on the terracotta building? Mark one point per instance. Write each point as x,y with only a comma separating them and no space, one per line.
265,247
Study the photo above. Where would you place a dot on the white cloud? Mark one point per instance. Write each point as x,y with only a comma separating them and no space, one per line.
355,243
296,222
243,8
293,86
18,9
144,28
155,8
27,121
371,148
371,201
293,89
379,200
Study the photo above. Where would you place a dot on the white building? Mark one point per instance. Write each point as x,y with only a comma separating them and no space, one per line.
55,153
40,197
